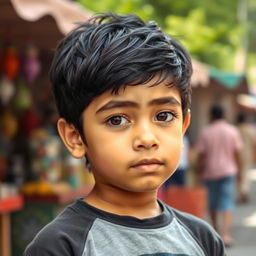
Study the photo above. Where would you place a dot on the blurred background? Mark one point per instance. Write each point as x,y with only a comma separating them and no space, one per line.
37,176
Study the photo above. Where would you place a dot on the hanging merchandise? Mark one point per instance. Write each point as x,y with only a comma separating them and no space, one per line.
22,98
10,62
9,124
7,90
29,121
4,149
45,155
31,65
73,166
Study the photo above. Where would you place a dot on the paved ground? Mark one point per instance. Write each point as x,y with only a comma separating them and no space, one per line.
244,226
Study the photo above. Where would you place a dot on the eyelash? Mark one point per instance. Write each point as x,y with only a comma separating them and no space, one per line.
173,115
108,121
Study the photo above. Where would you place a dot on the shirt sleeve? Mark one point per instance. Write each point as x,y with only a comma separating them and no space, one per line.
208,239
48,246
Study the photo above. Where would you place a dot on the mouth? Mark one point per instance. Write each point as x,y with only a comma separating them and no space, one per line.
148,165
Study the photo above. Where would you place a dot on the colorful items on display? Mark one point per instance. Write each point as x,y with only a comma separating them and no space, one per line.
45,152
31,65
31,155
9,124
16,115
29,121
7,90
12,68
22,99
10,62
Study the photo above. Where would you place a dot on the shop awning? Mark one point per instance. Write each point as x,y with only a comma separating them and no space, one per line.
65,13
44,22
227,79
204,74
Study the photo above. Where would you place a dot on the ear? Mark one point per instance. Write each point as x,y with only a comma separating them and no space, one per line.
71,138
186,121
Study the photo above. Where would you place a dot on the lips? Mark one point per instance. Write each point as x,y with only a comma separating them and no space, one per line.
148,165
147,162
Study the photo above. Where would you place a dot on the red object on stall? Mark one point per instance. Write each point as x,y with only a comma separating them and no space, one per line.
12,203
187,199
29,121
10,63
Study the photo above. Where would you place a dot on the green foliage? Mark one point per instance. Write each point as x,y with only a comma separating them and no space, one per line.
209,29
141,8
215,45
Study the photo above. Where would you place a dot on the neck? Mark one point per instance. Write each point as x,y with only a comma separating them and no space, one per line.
137,204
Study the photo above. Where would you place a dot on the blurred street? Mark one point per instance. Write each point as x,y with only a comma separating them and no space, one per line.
244,227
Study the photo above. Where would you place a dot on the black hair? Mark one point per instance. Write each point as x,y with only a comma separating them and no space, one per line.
216,112
110,51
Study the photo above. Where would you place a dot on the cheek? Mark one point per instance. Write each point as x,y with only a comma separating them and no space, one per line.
106,148
172,147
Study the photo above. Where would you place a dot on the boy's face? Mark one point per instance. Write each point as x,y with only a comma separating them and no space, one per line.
134,139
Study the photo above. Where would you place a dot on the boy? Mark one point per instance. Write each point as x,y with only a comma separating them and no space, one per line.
122,90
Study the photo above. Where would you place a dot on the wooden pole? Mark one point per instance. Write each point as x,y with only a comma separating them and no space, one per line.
5,234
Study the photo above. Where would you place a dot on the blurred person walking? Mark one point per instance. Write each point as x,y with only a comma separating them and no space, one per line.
248,136
218,162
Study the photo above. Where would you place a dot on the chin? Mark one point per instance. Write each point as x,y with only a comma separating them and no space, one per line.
149,187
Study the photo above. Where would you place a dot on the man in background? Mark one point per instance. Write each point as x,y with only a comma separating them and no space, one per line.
218,148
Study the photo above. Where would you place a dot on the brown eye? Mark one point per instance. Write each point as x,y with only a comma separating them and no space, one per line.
164,117
117,121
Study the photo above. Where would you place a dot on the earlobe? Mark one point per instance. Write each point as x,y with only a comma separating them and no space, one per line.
71,138
186,121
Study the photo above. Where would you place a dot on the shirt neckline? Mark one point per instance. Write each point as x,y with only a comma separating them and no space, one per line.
159,221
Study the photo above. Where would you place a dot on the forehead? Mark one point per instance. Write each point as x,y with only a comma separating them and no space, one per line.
142,94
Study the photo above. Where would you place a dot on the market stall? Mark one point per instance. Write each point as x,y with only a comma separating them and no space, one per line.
7,205
36,174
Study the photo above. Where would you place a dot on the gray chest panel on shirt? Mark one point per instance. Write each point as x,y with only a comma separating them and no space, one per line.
106,238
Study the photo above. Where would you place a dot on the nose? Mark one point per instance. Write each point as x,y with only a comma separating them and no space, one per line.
145,138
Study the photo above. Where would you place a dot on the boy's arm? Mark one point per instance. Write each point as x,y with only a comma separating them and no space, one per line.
55,240
37,249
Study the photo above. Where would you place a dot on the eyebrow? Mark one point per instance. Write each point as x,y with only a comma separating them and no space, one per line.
119,104
165,101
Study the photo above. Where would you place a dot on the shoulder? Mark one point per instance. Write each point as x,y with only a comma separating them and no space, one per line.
202,232
229,128
64,236
234,133
232,128
49,241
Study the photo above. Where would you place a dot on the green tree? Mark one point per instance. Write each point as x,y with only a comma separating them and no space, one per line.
209,29
215,45
139,7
